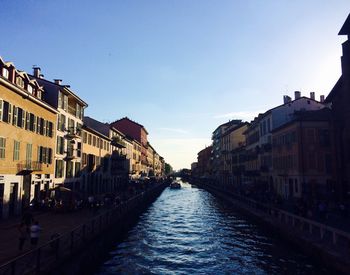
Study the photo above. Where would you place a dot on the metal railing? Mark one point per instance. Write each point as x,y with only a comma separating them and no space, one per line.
28,165
64,246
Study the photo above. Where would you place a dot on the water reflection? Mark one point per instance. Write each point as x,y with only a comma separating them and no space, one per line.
189,231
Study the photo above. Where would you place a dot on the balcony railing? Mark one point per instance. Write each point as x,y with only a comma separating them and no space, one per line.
73,132
117,142
28,166
71,154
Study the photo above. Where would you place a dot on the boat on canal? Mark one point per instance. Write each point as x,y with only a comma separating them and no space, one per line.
175,185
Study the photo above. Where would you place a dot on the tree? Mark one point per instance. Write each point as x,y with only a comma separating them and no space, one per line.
168,169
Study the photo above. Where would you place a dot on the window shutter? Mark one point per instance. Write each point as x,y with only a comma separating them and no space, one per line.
34,123
50,156
1,104
15,113
9,118
38,125
27,124
59,122
65,107
59,100
44,127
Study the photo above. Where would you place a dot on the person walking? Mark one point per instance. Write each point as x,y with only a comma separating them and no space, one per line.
35,231
23,234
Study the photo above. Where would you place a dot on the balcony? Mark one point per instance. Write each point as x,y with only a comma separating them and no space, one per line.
73,132
28,166
70,154
118,142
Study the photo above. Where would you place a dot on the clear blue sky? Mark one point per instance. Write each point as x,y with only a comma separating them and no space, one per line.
181,67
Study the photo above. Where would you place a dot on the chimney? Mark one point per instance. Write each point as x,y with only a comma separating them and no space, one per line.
286,99
312,95
297,94
58,81
322,98
37,72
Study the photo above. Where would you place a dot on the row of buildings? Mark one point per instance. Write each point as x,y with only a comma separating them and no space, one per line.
297,150
46,141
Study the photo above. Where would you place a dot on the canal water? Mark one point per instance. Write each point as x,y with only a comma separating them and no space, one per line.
189,231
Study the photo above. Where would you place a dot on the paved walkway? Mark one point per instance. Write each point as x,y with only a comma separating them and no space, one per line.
49,221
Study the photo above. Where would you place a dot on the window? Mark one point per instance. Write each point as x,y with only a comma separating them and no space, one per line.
30,89
5,73
94,141
16,148
89,139
49,156
27,118
65,103
84,137
79,149
59,168
44,127
32,124
41,154
20,81
69,169
29,152
41,126
19,117
49,129
79,127
84,159
2,147
77,169
6,112
14,115
81,115
62,101
71,126
61,122
78,111
60,145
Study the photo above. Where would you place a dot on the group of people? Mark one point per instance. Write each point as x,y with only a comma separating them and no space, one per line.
28,229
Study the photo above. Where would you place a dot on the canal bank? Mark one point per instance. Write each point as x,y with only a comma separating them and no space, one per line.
325,244
77,251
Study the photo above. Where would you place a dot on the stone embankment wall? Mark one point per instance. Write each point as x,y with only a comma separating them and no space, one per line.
324,243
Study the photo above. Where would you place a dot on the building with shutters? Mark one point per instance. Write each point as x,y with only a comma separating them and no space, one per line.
27,141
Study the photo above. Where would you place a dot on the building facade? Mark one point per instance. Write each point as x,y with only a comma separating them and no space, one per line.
68,131
27,141
137,132
338,99
302,151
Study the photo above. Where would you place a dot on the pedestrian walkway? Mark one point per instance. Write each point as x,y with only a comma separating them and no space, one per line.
50,223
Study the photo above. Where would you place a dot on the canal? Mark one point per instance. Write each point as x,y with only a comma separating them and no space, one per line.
189,231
